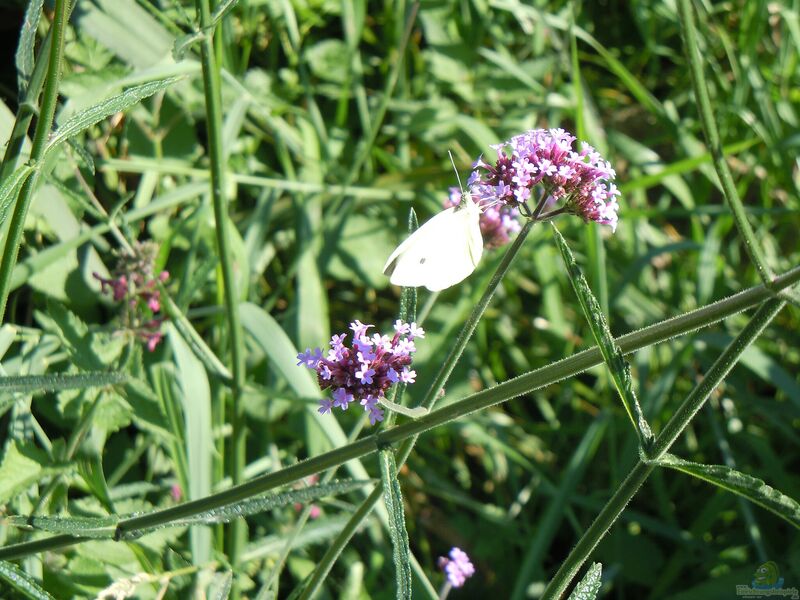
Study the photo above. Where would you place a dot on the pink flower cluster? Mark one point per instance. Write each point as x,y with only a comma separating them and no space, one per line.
498,222
458,567
135,283
573,182
364,371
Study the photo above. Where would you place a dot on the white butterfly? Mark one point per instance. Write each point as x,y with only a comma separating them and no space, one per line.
442,252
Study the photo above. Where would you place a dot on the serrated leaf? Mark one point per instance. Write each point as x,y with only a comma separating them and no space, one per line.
25,47
32,384
747,486
83,527
10,188
101,111
612,355
251,506
590,584
393,498
22,582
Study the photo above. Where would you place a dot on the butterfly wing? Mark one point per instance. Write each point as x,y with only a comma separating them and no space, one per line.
444,251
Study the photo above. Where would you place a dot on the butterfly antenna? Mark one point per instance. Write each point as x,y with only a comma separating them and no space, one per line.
458,178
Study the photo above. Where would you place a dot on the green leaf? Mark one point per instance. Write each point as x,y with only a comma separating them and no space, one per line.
32,384
21,468
101,111
590,584
26,45
83,527
10,188
612,355
23,583
196,404
749,487
393,498
220,587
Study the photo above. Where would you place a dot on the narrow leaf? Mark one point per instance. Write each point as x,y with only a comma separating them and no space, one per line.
393,499
222,9
97,113
83,154
25,47
183,43
590,584
749,487
23,583
84,527
612,355
10,188
32,384
220,588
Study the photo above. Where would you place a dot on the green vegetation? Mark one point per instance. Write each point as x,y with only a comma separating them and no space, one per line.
192,193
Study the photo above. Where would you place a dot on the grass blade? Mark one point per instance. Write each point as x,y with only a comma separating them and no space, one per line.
393,498
590,584
612,354
32,384
744,485
27,42
23,583
101,111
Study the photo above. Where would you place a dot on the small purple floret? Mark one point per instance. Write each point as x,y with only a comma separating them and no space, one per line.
458,567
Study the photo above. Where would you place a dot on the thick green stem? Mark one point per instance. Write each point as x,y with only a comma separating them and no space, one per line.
43,126
213,97
674,427
513,388
712,138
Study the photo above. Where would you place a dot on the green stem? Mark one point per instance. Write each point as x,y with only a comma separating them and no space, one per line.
674,427
213,96
43,126
712,138
513,388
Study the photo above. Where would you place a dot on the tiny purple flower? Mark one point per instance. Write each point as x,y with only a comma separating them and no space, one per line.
341,398
415,331
325,406
359,329
401,328
365,374
309,358
458,567
408,376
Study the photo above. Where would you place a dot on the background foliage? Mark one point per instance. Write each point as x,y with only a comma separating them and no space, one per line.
316,97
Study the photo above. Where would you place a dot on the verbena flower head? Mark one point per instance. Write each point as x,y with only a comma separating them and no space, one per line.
498,221
363,371
135,282
577,182
458,567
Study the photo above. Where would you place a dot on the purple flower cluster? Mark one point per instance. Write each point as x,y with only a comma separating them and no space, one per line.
135,282
498,222
364,371
582,180
458,567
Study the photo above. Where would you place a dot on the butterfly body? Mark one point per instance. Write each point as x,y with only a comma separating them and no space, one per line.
442,252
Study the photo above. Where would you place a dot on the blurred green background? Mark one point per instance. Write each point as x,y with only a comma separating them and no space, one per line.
319,94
